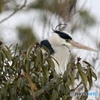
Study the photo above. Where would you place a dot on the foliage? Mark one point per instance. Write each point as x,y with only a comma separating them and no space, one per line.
61,9
26,36
30,75
86,18
54,5
64,11
1,5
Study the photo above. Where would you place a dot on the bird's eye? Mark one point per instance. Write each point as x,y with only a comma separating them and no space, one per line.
67,40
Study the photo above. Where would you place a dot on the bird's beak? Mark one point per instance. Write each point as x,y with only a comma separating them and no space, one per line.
81,46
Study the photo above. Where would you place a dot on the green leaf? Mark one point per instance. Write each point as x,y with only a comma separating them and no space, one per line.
45,71
50,63
79,66
42,80
71,79
38,92
35,58
27,66
36,63
13,92
93,74
28,51
26,90
1,5
1,57
65,76
77,75
82,74
1,61
67,87
15,60
39,54
4,92
84,78
89,77
63,90
54,95
20,83
46,49
28,97
86,18
51,83
0,96
7,54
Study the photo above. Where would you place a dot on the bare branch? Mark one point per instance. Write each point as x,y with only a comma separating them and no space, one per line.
78,86
24,4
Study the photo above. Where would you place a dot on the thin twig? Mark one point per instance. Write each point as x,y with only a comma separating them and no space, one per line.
32,85
16,10
78,85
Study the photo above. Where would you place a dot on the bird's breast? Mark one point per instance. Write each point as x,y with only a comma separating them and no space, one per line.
61,56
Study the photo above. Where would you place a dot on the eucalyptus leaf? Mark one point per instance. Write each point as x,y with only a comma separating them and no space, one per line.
28,51
50,63
7,54
46,49
71,79
82,74
45,72
93,74
65,76
89,77
39,54
54,95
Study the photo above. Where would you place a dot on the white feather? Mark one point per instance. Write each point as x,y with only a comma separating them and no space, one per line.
61,54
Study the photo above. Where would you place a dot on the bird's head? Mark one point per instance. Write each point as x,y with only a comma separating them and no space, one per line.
65,39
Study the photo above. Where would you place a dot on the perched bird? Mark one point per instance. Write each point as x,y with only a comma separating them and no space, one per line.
60,45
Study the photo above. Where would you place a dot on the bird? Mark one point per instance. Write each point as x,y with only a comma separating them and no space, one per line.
60,45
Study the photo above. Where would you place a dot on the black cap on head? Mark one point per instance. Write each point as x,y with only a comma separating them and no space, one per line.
63,35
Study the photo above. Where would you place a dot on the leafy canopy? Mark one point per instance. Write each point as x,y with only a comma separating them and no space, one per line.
30,75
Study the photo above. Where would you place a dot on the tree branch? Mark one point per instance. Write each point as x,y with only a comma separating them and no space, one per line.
78,85
32,85
24,4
